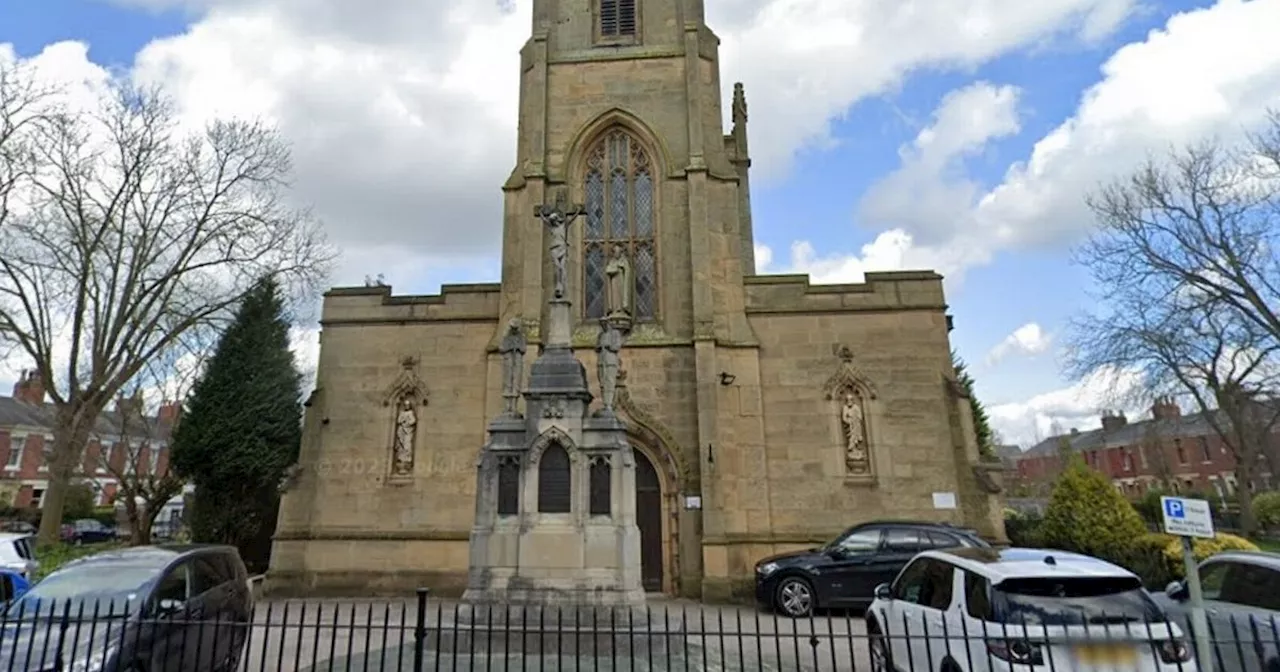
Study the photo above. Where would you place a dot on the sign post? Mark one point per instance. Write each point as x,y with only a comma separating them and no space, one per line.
1188,519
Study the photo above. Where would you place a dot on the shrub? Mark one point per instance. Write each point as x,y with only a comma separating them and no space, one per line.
1202,549
1024,529
1147,558
1266,508
1087,515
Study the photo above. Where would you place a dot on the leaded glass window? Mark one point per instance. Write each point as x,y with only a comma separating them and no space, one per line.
619,190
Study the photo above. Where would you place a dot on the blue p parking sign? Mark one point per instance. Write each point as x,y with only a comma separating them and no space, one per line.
1173,509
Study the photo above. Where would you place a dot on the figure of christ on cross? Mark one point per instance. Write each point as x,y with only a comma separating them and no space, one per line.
557,219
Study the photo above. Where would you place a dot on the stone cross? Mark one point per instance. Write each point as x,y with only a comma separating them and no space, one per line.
557,219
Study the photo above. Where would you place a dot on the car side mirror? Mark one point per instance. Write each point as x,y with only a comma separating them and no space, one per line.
1176,590
168,606
883,592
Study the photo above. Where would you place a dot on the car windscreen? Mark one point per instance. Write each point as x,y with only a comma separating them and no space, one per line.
114,589
1073,601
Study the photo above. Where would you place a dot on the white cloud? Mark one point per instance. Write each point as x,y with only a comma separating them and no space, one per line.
1029,339
1209,73
1076,406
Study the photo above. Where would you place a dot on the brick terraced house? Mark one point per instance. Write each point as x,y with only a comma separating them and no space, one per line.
26,428
1169,451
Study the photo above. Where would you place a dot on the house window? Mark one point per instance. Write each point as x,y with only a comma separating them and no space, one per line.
16,444
1128,460
1207,455
601,482
1142,456
620,214
617,18
555,491
155,459
1182,452
37,497
508,485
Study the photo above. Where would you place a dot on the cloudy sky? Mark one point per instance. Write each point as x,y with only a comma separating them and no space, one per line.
958,135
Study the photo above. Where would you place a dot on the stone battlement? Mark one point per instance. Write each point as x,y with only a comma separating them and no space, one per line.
377,305
885,291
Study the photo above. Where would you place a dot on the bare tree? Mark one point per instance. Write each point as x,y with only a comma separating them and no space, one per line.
1184,259
24,105
135,439
131,237
1152,452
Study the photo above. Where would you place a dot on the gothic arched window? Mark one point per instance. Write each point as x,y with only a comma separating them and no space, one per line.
619,187
555,491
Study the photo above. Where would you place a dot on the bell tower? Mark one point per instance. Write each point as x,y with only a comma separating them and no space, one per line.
620,108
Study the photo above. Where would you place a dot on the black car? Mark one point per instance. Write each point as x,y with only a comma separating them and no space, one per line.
844,573
90,531
181,608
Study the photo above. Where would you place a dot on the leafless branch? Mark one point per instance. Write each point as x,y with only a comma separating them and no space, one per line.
1185,261
132,236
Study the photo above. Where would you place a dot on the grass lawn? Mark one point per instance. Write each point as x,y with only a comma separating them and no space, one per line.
53,557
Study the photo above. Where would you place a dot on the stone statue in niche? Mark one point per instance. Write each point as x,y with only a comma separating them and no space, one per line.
608,362
406,430
853,422
618,271
513,347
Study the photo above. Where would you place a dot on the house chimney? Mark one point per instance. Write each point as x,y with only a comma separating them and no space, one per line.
1074,431
130,408
1165,408
1112,420
169,412
29,388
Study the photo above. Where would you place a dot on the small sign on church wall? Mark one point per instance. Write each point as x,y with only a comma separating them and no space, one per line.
944,500
692,502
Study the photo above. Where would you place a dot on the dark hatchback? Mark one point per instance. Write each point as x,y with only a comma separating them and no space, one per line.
844,573
180,608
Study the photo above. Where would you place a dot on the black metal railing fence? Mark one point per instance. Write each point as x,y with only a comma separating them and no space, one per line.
419,633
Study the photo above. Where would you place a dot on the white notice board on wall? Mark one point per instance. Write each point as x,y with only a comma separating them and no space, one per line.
944,500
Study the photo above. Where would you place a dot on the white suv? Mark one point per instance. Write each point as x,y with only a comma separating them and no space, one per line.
980,609
17,554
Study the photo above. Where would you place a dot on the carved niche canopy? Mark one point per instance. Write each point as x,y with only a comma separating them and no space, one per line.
847,376
407,385
553,435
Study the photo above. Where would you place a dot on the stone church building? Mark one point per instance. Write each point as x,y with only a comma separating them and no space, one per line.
767,413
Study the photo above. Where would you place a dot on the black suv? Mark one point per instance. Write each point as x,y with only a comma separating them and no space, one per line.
844,573
179,608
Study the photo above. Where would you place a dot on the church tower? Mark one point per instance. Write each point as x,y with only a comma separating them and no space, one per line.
620,106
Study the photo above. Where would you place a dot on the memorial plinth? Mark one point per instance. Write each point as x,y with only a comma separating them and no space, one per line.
555,542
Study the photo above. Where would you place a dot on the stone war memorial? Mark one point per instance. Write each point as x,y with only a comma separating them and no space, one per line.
453,442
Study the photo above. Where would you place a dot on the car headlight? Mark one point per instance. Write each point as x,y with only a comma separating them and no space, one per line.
93,662
767,568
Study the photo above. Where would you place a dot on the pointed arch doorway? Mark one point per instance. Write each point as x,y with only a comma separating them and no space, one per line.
650,507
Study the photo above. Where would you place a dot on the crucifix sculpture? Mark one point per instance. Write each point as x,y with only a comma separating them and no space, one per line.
557,219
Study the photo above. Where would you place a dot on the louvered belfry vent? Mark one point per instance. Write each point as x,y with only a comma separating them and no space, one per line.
617,18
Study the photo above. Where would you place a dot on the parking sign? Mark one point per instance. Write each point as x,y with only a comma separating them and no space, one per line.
1187,517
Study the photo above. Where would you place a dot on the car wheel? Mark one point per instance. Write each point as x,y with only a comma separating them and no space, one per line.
794,597
878,648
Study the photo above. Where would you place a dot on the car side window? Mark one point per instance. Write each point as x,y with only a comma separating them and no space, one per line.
939,586
911,582
1254,586
6,588
862,542
1212,578
903,540
941,540
977,596
206,574
175,586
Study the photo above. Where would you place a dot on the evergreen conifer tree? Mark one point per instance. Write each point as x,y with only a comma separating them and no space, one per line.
981,423
242,428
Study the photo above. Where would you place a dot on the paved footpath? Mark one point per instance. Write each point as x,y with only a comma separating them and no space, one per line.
348,635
